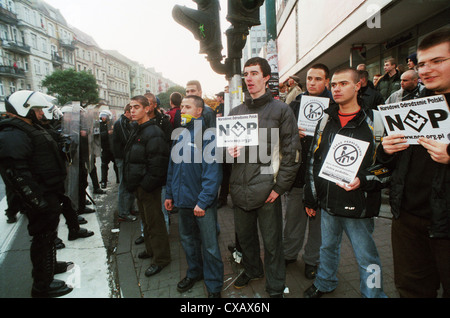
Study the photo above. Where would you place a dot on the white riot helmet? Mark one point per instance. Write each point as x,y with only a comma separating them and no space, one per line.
20,103
105,113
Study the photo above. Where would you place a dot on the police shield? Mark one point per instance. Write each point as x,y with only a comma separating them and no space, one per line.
94,137
70,128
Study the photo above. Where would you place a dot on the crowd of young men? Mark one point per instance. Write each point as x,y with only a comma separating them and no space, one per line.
189,169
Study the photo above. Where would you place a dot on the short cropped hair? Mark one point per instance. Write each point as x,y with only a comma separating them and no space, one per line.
198,101
351,70
196,83
150,96
127,108
265,67
320,66
391,60
175,98
435,38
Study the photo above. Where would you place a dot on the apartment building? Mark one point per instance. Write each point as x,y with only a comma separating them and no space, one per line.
36,39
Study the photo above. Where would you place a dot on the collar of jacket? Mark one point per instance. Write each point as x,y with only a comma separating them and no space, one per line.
260,101
333,112
146,124
326,93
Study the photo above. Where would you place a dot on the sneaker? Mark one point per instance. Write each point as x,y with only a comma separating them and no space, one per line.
103,185
127,218
99,191
243,280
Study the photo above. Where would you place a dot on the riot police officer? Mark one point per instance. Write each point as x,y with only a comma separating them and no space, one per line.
32,166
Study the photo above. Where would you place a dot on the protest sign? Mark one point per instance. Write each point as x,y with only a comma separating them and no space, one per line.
343,159
423,117
241,130
311,111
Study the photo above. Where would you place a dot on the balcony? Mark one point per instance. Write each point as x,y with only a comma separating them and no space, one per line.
10,71
70,45
56,59
16,47
7,16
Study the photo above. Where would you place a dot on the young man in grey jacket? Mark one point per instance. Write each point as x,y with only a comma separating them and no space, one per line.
256,185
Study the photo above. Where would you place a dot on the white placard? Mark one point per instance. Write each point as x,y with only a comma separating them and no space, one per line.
311,111
241,130
343,159
423,117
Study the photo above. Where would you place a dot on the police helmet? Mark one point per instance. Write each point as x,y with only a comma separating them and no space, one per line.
21,102
105,113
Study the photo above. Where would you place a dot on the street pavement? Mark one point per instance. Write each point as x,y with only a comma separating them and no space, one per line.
121,274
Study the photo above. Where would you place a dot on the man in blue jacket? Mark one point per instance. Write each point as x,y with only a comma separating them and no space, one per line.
193,180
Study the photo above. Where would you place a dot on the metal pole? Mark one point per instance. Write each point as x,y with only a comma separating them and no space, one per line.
272,50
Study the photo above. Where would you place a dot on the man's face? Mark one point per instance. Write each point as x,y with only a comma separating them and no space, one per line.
407,82
39,112
436,78
138,112
255,81
410,64
188,107
344,88
152,106
193,90
316,81
388,67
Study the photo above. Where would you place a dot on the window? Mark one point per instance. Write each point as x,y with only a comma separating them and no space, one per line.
44,45
34,44
12,87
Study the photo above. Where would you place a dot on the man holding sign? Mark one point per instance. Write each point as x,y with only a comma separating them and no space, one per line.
420,191
256,186
296,220
348,207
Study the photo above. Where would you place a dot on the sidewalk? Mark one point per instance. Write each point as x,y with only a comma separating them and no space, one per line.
134,284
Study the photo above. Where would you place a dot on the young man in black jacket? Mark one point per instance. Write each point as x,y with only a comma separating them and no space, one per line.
296,220
121,133
420,189
349,207
145,169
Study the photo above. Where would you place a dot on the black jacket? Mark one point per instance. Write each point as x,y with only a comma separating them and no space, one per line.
305,141
146,158
439,193
121,134
318,192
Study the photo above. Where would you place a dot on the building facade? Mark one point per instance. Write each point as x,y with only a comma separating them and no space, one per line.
341,33
35,39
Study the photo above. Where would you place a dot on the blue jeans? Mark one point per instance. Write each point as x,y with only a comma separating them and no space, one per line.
127,199
198,236
359,231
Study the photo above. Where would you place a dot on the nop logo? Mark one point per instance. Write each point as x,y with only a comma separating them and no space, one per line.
238,129
415,121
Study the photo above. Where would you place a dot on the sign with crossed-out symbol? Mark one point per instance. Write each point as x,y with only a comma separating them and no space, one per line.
343,159
311,111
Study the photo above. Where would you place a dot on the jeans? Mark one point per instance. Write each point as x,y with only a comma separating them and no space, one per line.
270,220
359,231
198,237
163,208
127,199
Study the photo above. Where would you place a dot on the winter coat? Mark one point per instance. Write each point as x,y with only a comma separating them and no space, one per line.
192,182
252,182
121,132
320,193
387,85
146,158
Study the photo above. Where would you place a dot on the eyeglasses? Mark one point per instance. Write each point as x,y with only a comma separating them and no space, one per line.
432,64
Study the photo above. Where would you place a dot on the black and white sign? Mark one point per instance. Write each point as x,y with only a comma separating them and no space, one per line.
311,111
343,159
423,117
239,130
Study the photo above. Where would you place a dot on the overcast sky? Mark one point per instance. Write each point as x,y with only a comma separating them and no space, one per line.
144,31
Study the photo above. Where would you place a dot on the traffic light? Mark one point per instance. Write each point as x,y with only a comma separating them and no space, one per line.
244,12
204,23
